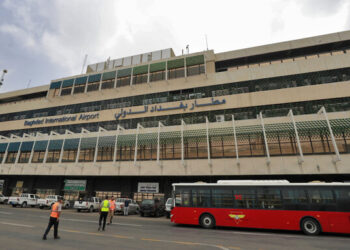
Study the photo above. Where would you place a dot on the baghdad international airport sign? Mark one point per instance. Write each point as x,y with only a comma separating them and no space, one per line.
66,118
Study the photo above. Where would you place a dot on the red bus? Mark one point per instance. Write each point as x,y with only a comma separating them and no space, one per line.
310,207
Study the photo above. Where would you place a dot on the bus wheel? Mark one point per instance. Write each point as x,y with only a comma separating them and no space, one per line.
310,226
207,221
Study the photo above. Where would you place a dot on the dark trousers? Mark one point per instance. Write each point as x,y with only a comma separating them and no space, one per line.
52,222
103,215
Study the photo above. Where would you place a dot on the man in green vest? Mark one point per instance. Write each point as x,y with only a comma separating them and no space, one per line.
104,209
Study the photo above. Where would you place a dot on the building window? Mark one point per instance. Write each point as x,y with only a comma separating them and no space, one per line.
87,155
79,89
195,70
157,76
109,84
69,155
38,156
141,78
105,154
24,157
176,73
93,86
11,157
66,91
53,156
123,81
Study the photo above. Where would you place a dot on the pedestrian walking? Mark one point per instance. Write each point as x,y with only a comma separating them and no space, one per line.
104,209
111,210
56,209
126,207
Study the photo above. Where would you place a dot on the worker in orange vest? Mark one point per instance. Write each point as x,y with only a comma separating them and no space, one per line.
111,210
56,209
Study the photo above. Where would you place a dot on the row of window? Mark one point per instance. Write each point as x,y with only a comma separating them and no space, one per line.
309,107
194,148
314,78
280,198
128,80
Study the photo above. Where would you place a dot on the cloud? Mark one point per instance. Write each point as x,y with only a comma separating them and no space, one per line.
52,37
321,7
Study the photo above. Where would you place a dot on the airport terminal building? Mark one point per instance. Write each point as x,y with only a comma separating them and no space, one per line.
133,126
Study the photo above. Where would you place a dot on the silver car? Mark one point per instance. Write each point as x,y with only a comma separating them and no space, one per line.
134,208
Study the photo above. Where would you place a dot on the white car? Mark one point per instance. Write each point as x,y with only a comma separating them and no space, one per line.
24,200
50,200
134,208
169,205
90,204
3,199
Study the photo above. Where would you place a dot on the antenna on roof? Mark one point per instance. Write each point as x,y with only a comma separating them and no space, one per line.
29,83
206,40
84,63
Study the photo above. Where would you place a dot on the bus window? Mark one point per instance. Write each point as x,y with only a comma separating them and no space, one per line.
201,198
183,198
186,198
269,198
342,196
294,198
244,198
321,199
222,198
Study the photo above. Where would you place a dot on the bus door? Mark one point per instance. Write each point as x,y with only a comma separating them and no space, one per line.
244,213
340,220
184,203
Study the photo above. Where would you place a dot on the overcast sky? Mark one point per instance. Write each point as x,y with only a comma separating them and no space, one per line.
42,40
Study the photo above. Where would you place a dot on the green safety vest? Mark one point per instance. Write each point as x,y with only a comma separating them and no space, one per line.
105,207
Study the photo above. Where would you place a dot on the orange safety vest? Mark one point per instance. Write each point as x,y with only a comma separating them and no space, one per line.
112,205
54,210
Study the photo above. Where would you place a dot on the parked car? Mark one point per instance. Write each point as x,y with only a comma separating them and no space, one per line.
153,207
3,199
89,204
50,200
134,208
24,200
169,204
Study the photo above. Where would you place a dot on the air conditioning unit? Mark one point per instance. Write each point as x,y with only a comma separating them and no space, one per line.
220,118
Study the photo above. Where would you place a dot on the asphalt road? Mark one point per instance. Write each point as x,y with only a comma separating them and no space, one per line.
22,228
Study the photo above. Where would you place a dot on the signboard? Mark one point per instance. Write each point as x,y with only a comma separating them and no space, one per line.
148,187
74,185
60,119
19,184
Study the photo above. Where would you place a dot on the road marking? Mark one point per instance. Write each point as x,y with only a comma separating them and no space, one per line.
98,234
1,212
17,225
92,221
186,243
236,248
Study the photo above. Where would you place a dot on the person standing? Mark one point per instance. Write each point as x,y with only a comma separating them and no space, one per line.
56,209
126,206
111,210
104,209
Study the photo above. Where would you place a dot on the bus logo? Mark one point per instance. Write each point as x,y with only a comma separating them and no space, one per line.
237,217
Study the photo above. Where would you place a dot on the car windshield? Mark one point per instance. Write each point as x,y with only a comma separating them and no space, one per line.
169,201
147,202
